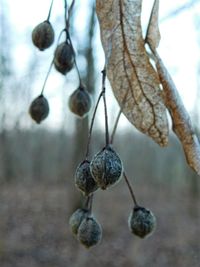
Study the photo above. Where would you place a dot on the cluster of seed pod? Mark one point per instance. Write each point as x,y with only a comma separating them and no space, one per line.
85,227
105,169
64,61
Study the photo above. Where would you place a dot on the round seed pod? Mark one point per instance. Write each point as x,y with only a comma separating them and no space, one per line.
83,178
39,109
80,102
64,58
89,232
62,69
43,35
106,167
76,219
142,221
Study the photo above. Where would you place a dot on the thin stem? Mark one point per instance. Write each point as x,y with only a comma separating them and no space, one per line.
64,30
50,67
68,12
48,18
46,78
105,106
65,13
115,126
117,119
85,206
75,63
67,18
130,189
91,126
71,8
90,203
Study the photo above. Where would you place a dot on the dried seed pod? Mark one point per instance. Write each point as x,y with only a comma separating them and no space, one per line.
141,221
106,167
43,35
64,58
89,232
62,69
80,102
76,219
39,109
83,178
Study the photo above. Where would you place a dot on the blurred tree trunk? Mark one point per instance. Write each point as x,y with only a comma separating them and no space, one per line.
5,74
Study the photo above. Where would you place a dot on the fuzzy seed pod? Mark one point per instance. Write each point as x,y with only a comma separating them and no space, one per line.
39,109
106,167
84,180
141,222
89,232
64,58
76,219
43,35
80,102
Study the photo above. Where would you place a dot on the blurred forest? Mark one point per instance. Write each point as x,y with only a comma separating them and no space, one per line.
37,165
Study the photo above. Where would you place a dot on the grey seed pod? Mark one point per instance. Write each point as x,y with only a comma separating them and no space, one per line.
80,102
142,221
83,178
39,109
76,219
106,167
43,35
89,232
64,58
62,69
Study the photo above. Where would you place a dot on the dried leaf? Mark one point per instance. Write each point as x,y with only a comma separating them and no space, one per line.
153,33
128,67
182,125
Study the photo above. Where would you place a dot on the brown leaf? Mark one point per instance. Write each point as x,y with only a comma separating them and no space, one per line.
182,125
153,32
129,69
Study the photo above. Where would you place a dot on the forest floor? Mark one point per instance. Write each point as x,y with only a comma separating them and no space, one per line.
34,228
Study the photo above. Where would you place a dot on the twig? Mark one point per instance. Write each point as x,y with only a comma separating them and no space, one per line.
91,126
75,63
50,9
115,126
105,106
85,206
90,203
117,119
130,189
68,12
46,78
50,67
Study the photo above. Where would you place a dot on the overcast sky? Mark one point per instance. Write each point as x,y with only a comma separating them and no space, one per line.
179,47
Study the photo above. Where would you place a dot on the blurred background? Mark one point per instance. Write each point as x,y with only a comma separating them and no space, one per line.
37,163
